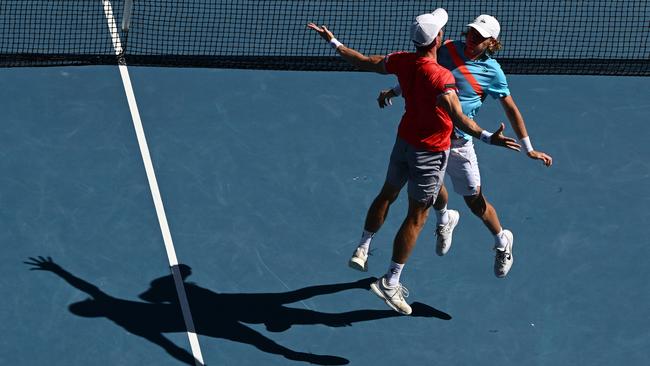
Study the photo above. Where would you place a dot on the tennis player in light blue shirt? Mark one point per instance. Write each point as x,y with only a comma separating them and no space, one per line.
477,76
487,78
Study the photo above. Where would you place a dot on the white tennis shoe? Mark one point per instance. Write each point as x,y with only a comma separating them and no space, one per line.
444,233
393,296
504,258
359,260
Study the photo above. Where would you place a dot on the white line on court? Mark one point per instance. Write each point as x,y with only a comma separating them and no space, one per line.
153,185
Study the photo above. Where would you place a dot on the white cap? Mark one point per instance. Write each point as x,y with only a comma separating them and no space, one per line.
425,28
487,25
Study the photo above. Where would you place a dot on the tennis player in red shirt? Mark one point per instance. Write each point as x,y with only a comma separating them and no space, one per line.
421,150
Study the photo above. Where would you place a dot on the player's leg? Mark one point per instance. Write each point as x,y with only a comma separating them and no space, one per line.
503,238
389,287
378,210
426,171
462,175
467,182
396,177
484,211
465,176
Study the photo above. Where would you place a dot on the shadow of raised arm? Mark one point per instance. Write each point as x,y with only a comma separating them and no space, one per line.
47,264
311,291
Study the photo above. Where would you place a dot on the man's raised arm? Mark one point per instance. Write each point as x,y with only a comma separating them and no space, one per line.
373,63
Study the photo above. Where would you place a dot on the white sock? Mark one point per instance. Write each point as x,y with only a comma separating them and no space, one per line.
394,271
366,238
500,240
442,217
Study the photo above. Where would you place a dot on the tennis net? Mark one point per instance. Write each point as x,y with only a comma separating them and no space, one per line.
602,37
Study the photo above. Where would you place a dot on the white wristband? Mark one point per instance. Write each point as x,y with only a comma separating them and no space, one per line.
485,136
335,43
526,142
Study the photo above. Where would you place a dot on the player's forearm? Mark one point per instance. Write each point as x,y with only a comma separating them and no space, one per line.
351,55
466,124
514,117
359,60
517,122
451,104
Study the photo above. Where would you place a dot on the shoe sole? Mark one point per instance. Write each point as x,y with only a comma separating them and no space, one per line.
511,237
380,294
357,265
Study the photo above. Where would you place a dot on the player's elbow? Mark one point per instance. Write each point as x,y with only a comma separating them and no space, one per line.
369,63
366,64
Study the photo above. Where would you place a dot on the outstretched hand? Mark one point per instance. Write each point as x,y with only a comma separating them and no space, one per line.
322,31
538,155
43,264
384,98
498,138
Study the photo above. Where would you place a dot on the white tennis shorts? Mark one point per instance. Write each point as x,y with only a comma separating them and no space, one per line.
462,167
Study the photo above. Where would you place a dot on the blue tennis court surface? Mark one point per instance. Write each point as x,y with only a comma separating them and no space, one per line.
266,178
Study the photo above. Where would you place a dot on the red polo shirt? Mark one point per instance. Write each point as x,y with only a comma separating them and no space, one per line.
424,124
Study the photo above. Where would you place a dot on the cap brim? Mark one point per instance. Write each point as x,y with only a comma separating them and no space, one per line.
481,30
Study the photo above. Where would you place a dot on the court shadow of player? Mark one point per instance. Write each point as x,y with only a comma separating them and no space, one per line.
269,308
218,315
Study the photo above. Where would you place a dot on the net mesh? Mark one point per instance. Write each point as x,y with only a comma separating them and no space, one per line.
539,36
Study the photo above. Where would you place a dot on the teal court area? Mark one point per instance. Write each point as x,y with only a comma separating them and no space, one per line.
266,178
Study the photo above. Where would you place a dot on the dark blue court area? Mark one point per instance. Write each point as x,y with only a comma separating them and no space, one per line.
266,178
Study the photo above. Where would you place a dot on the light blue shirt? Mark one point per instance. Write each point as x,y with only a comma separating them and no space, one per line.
487,73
